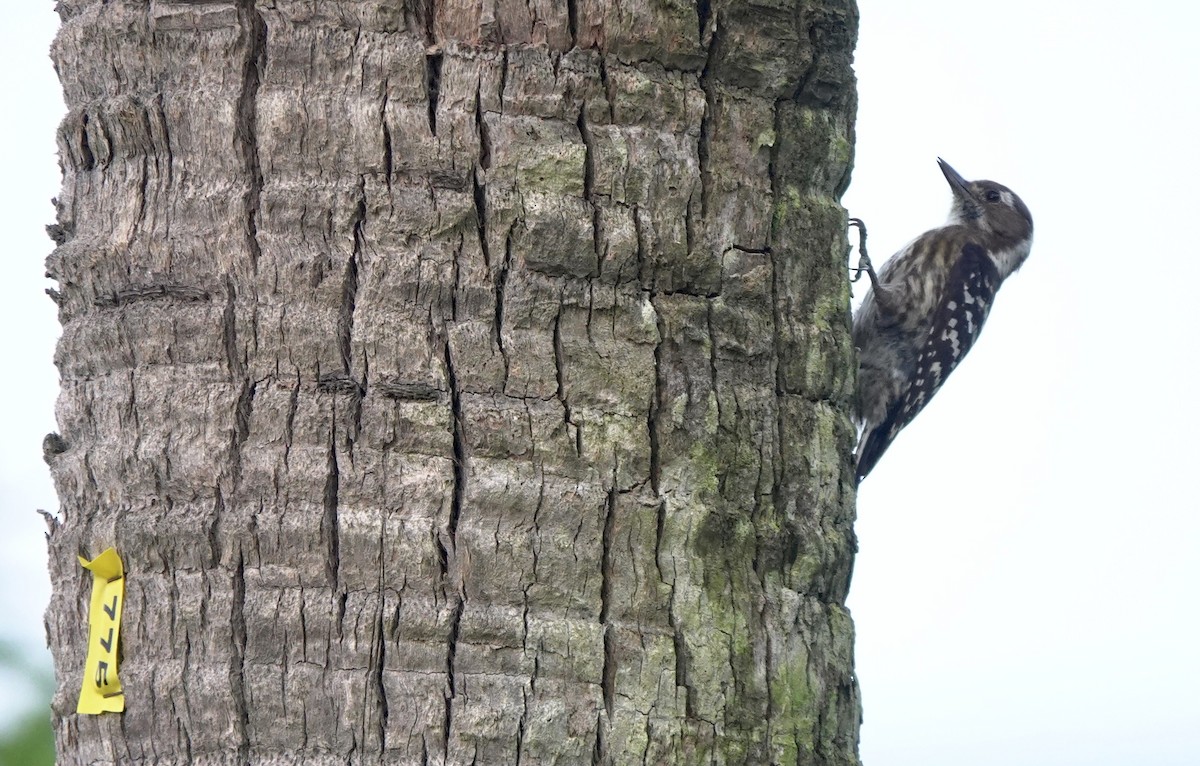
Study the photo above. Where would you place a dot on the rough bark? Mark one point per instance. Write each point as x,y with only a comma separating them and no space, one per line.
462,382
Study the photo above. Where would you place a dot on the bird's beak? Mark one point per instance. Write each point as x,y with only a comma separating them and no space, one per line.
957,182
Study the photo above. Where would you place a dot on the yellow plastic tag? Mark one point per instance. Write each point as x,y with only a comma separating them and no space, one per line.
101,690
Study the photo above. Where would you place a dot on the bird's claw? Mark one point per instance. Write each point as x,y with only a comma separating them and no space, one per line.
864,261
864,265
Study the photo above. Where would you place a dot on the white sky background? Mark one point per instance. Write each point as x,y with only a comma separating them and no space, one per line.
1027,585
1026,589
33,106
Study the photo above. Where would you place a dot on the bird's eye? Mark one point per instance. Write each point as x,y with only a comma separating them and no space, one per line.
992,196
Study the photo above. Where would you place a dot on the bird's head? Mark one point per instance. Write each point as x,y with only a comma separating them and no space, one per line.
989,206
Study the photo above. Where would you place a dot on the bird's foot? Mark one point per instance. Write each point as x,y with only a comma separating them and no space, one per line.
864,261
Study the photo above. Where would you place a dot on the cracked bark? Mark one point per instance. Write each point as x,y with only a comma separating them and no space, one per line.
462,382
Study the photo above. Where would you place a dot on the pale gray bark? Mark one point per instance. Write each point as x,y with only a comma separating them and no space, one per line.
462,382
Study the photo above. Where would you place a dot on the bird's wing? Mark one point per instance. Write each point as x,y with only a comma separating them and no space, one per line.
957,320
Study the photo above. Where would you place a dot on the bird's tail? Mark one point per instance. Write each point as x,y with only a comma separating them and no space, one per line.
870,448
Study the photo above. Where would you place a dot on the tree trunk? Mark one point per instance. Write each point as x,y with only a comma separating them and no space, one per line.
461,382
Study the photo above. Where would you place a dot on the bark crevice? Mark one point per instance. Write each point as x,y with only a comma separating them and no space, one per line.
682,675
589,180
500,278
433,84
710,318
609,87
349,297
656,402
703,14
379,662
329,516
573,22
521,724
254,34
289,422
237,660
479,179
708,84
452,574
388,160
87,160
609,669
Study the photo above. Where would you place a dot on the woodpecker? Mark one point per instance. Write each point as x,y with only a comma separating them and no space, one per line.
927,305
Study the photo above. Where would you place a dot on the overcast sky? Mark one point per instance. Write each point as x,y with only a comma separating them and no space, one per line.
1028,577
33,106
1028,580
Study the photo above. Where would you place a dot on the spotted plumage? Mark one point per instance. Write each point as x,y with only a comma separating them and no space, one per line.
928,304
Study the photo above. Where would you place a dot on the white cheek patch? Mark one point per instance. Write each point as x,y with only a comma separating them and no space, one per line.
1008,261
1007,197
